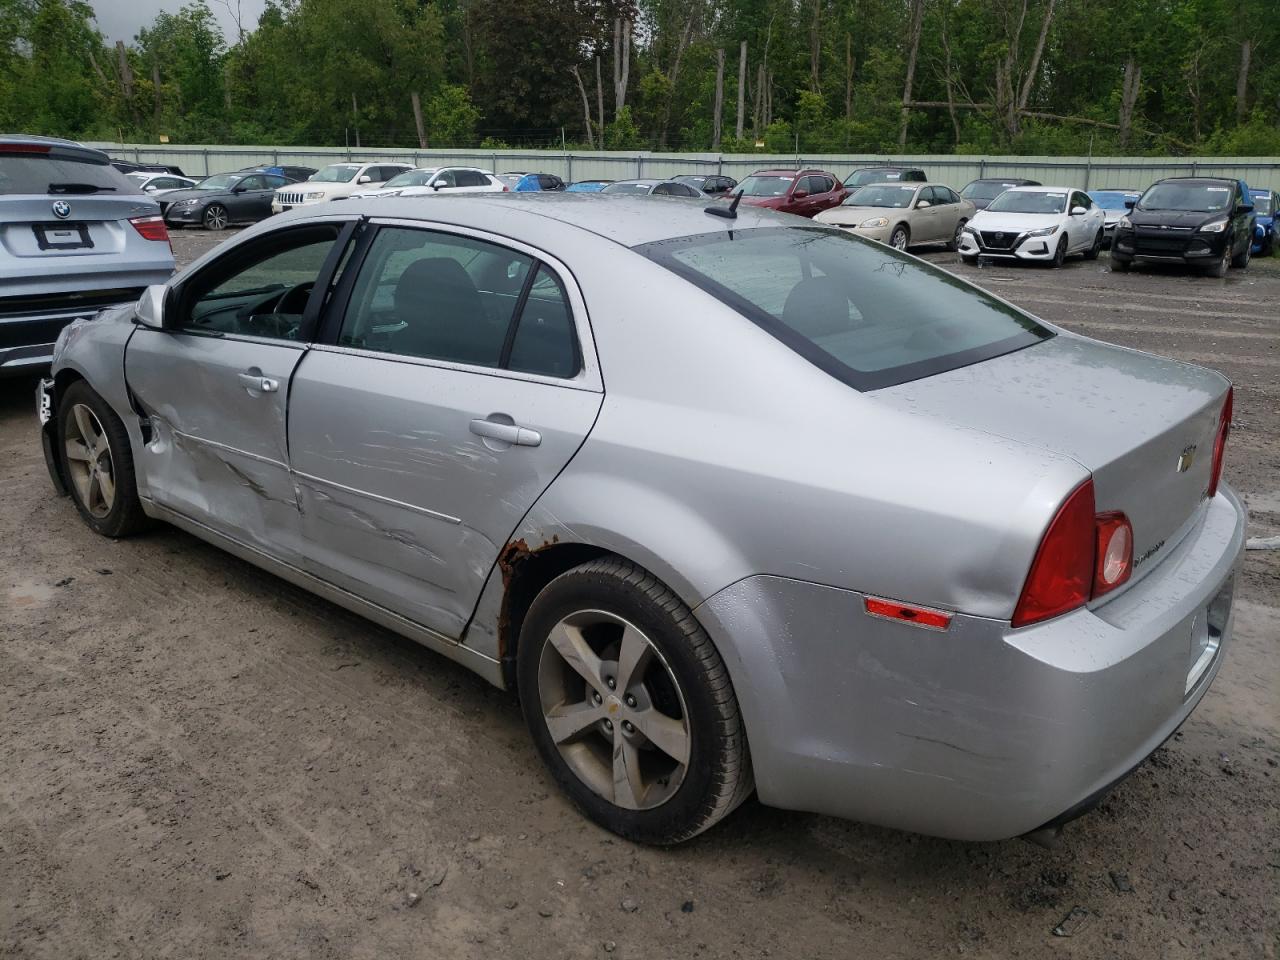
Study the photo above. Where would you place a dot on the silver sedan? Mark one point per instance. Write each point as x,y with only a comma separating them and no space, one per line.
734,503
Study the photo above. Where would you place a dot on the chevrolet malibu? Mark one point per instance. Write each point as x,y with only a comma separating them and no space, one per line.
733,501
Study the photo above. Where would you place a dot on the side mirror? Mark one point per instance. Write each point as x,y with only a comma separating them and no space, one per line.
799,194
149,311
1244,208
922,204
1078,211
365,179
437,185
238,189
1130,204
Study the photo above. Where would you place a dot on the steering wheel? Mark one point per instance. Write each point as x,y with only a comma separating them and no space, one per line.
279,314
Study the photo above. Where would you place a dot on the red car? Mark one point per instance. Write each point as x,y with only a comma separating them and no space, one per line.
802,192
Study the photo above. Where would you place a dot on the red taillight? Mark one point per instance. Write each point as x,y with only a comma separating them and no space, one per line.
1220,442
24,148
1061,574
906,613
151,228
1114,552
505,188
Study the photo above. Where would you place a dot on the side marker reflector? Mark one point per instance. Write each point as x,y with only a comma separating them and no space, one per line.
906,613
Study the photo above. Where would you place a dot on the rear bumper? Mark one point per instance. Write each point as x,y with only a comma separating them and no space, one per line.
27,338
980,732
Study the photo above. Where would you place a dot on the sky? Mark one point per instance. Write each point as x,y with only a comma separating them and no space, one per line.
121,19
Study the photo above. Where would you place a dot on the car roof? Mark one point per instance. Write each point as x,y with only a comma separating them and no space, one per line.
1014,180
648,181
535,215
1196,180
1045,188
783,172
886,166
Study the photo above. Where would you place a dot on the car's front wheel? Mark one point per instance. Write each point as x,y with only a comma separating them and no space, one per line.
1241,259
1060,254
1219,268
99,463
901,237
216,217
630,704
1093,251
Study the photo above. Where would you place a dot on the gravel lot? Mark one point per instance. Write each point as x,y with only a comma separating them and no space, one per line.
199,760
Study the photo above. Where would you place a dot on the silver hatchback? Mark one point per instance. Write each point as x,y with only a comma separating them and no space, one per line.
733,502
76,235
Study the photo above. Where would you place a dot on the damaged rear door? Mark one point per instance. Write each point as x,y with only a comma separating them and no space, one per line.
213,385
457,382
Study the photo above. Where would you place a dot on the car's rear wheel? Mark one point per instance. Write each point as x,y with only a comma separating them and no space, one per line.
1119,265
1219,269
630,704
1241,260
99,463
1093,251
215,217
954,243
1060,254
901,237
971,260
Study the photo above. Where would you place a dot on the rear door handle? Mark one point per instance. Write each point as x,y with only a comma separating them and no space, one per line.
262,384
511,433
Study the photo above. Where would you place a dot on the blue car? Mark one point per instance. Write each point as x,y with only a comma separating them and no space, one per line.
588,186
1112,201
1265,203
538,181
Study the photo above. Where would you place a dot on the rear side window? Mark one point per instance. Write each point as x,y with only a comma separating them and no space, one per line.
544,340
45,174
866,314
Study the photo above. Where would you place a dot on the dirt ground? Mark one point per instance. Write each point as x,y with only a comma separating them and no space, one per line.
198,760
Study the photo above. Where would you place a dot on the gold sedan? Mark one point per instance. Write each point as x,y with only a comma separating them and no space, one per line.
903,214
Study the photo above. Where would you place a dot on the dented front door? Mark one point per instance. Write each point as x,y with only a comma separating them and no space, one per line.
216,408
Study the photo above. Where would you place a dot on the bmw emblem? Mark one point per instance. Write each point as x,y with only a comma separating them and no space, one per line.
61,209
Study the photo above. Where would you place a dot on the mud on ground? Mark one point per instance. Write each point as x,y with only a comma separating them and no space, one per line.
198,760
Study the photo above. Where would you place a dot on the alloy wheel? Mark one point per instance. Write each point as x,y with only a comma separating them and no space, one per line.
89,461
614,709
899,239
215,218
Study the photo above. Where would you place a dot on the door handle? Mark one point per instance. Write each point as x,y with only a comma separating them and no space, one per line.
506,432
261,384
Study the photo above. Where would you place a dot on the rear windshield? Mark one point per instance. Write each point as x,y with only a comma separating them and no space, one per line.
43,174
1029,201
1192,197
881,196
628,188
863,312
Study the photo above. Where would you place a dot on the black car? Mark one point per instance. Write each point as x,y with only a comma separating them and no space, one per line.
1203,221
292,174
884,174
224,198
982,192
128,166
712,186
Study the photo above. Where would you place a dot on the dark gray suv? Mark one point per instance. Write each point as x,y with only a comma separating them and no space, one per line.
76,235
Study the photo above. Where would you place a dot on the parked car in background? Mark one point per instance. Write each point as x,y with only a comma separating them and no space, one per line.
531,182
159,185
1045,224
431,180
293,173
1265,204
802,192
657,188
1201,221
713,185
76,235
902,214
336,181
1115,203
127,166
588,186
224,199
952,571
511,178
982,192
883,174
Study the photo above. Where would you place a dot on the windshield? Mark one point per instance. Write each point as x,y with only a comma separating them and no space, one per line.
219,181
985,189
1111,199
770,185
1262,204
1029,201
337,173
874,175
865,313
881,196
44,174
411,178
1188,197
628,188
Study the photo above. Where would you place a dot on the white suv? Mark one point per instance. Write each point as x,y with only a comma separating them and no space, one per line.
335,182
428,180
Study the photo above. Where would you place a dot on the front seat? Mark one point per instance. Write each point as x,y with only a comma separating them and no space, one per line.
443,314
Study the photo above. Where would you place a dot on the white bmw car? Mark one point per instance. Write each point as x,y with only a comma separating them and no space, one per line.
1035,223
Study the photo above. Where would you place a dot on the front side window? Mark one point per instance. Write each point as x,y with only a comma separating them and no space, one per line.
863,312
445,178
255,182
1029,201
261,292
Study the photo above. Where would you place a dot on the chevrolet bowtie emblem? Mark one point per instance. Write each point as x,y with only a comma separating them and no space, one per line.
1186,458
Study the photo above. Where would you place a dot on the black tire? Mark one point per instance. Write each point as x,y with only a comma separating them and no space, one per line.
1092,252
970,260
717,776
1268,247
1219,269
954,244
1119,265
215,217
125,516
900,238
1241,260
1060,254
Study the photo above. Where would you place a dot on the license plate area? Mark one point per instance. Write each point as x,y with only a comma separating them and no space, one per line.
1207,632
62,236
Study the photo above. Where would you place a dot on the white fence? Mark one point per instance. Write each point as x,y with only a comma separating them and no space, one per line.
1084,172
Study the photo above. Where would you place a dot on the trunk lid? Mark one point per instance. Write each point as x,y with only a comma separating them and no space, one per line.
93,225
1143,425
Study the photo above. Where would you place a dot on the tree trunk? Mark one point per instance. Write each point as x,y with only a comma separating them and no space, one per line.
621,63
1242,82
950,81
586,106
468,50
673,77
815,47
417,119
1193,92
126,80
718,108
757,114
848,76
1029,80
1129,89
913,39
742,89
355,117
155,92
599,104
